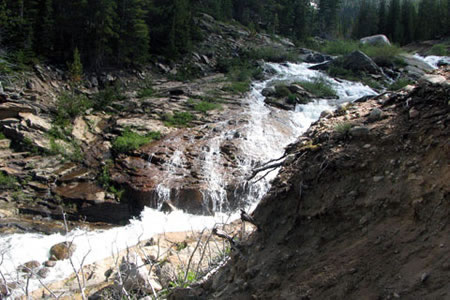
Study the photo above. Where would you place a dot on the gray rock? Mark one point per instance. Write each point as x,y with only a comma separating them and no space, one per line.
326,114
378,39
50,263
62,250
43,273
1,88
29,267
375,115
357,61
432,79
359,131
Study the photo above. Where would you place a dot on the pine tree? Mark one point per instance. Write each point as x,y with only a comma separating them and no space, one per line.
382,17
133,33
76,67
393,21
100,30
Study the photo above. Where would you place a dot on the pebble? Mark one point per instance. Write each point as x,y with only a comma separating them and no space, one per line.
378,178
424,277
50,263
359,131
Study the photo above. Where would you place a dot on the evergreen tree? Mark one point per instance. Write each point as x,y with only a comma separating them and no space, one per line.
133,33
382,17
393,21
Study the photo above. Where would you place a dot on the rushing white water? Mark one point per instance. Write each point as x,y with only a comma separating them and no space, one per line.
434,60
266,134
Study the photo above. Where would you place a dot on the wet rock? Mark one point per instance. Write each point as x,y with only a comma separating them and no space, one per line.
315,58
326,114
85,191
50,263
29,267
268,92
43,273
62,251
378,39
359,131
375,115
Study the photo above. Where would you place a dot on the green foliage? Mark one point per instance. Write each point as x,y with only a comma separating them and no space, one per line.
271,54
319,88
205,106
6,181
439,50
70,106
339,47
399,84
343,128
2,136
383,51
184,281
107,96
238,87
146,92
178,119
291,99
130,140
282,91
76,68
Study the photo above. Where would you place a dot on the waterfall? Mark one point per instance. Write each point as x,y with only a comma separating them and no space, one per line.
265,135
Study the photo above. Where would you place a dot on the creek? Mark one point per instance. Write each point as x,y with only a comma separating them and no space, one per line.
267,132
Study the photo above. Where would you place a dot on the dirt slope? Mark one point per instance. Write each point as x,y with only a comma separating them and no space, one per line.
356,213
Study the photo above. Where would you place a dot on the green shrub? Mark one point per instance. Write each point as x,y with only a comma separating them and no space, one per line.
146,92
70,106
271,54
319,88
343,128
282,91
291,99
107,96
178,119
339,47
130,140
2,136
439,50
399,84
7,181
204,106
386,52
238,87
184,280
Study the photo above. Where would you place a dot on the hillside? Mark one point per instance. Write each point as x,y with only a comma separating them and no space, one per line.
357,212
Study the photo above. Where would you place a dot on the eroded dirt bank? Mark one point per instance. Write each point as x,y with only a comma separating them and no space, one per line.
359,210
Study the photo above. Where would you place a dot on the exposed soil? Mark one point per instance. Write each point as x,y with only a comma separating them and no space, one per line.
360,213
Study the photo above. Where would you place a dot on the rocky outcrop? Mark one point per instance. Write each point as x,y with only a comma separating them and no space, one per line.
62,251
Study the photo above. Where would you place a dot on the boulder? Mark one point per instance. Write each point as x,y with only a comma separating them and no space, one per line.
62,251
43,273
429,79
375,115
316,58
12,110
378,39
357,61
359,131
35,122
